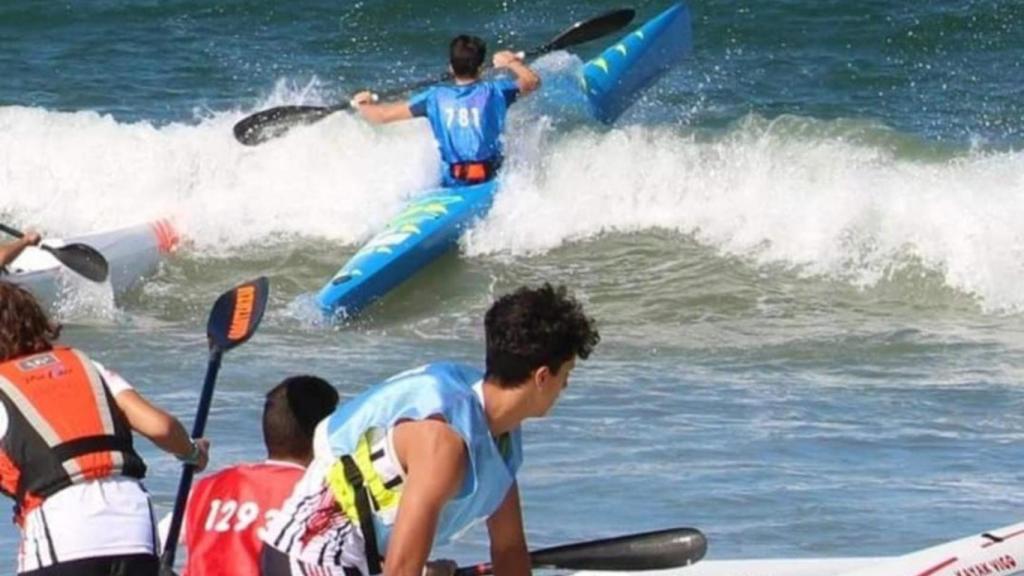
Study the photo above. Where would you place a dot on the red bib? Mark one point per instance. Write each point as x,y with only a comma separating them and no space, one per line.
226,515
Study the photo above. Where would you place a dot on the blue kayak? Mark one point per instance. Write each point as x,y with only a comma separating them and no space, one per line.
612,81
426,229
433,223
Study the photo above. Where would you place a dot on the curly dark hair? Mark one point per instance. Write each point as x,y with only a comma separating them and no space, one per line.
534,327
24,327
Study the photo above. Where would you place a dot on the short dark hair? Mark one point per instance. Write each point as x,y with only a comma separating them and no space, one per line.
534,327
466,55
291,412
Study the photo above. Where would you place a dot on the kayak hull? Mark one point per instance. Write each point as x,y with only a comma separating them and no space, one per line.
427,228
613,79
133,253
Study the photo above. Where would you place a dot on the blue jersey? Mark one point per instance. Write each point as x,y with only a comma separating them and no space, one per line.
467,120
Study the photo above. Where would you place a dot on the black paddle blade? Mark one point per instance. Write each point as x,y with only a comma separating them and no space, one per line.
237,313
647,551
587,30
271,123
83,259
657,550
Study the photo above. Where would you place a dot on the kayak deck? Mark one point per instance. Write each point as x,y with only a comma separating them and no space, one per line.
427,228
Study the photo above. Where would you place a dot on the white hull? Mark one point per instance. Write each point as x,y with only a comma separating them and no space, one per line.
761,567
134,253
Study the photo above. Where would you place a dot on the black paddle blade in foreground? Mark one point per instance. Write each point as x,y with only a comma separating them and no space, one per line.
648,551
273,122
587,30
656,550
83,259
237,313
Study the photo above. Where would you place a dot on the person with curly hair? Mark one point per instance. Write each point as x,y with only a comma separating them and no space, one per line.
418,458
66,453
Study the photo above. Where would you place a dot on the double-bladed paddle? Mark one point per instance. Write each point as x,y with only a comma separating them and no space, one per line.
83,259
656,550
233,320
273,122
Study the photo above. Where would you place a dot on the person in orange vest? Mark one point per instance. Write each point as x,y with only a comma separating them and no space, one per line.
227,511
66,453
9,251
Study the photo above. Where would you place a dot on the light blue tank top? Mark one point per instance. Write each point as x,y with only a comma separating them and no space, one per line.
445,389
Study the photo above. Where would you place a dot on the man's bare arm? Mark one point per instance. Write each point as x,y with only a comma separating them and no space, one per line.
380,113
509,554
434,457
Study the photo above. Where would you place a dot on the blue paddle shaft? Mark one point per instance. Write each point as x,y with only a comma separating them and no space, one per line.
185,485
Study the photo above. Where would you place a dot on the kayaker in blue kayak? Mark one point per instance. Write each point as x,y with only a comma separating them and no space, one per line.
467,116
420,457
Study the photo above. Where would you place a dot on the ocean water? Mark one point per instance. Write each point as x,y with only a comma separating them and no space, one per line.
803,246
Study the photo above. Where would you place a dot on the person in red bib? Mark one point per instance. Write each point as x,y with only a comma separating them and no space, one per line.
227,511
66,453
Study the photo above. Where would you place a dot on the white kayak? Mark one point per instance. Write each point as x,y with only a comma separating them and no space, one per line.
997,552
133,253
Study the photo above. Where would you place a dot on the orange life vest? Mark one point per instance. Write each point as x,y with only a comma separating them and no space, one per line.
59,425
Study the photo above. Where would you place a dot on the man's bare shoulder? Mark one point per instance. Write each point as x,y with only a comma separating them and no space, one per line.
431,442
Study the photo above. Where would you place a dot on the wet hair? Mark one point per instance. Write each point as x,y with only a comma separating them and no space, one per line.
466,55
24,327
535,327
291,412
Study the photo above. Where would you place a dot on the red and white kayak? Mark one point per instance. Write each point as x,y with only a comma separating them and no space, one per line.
133,253
998,552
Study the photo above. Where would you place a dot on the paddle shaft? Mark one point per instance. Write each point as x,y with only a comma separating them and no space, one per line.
19,234
448,76
310,114
578,34
185,484
12,231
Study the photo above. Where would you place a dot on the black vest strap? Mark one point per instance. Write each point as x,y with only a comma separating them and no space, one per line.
80,447
89,445
365,511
